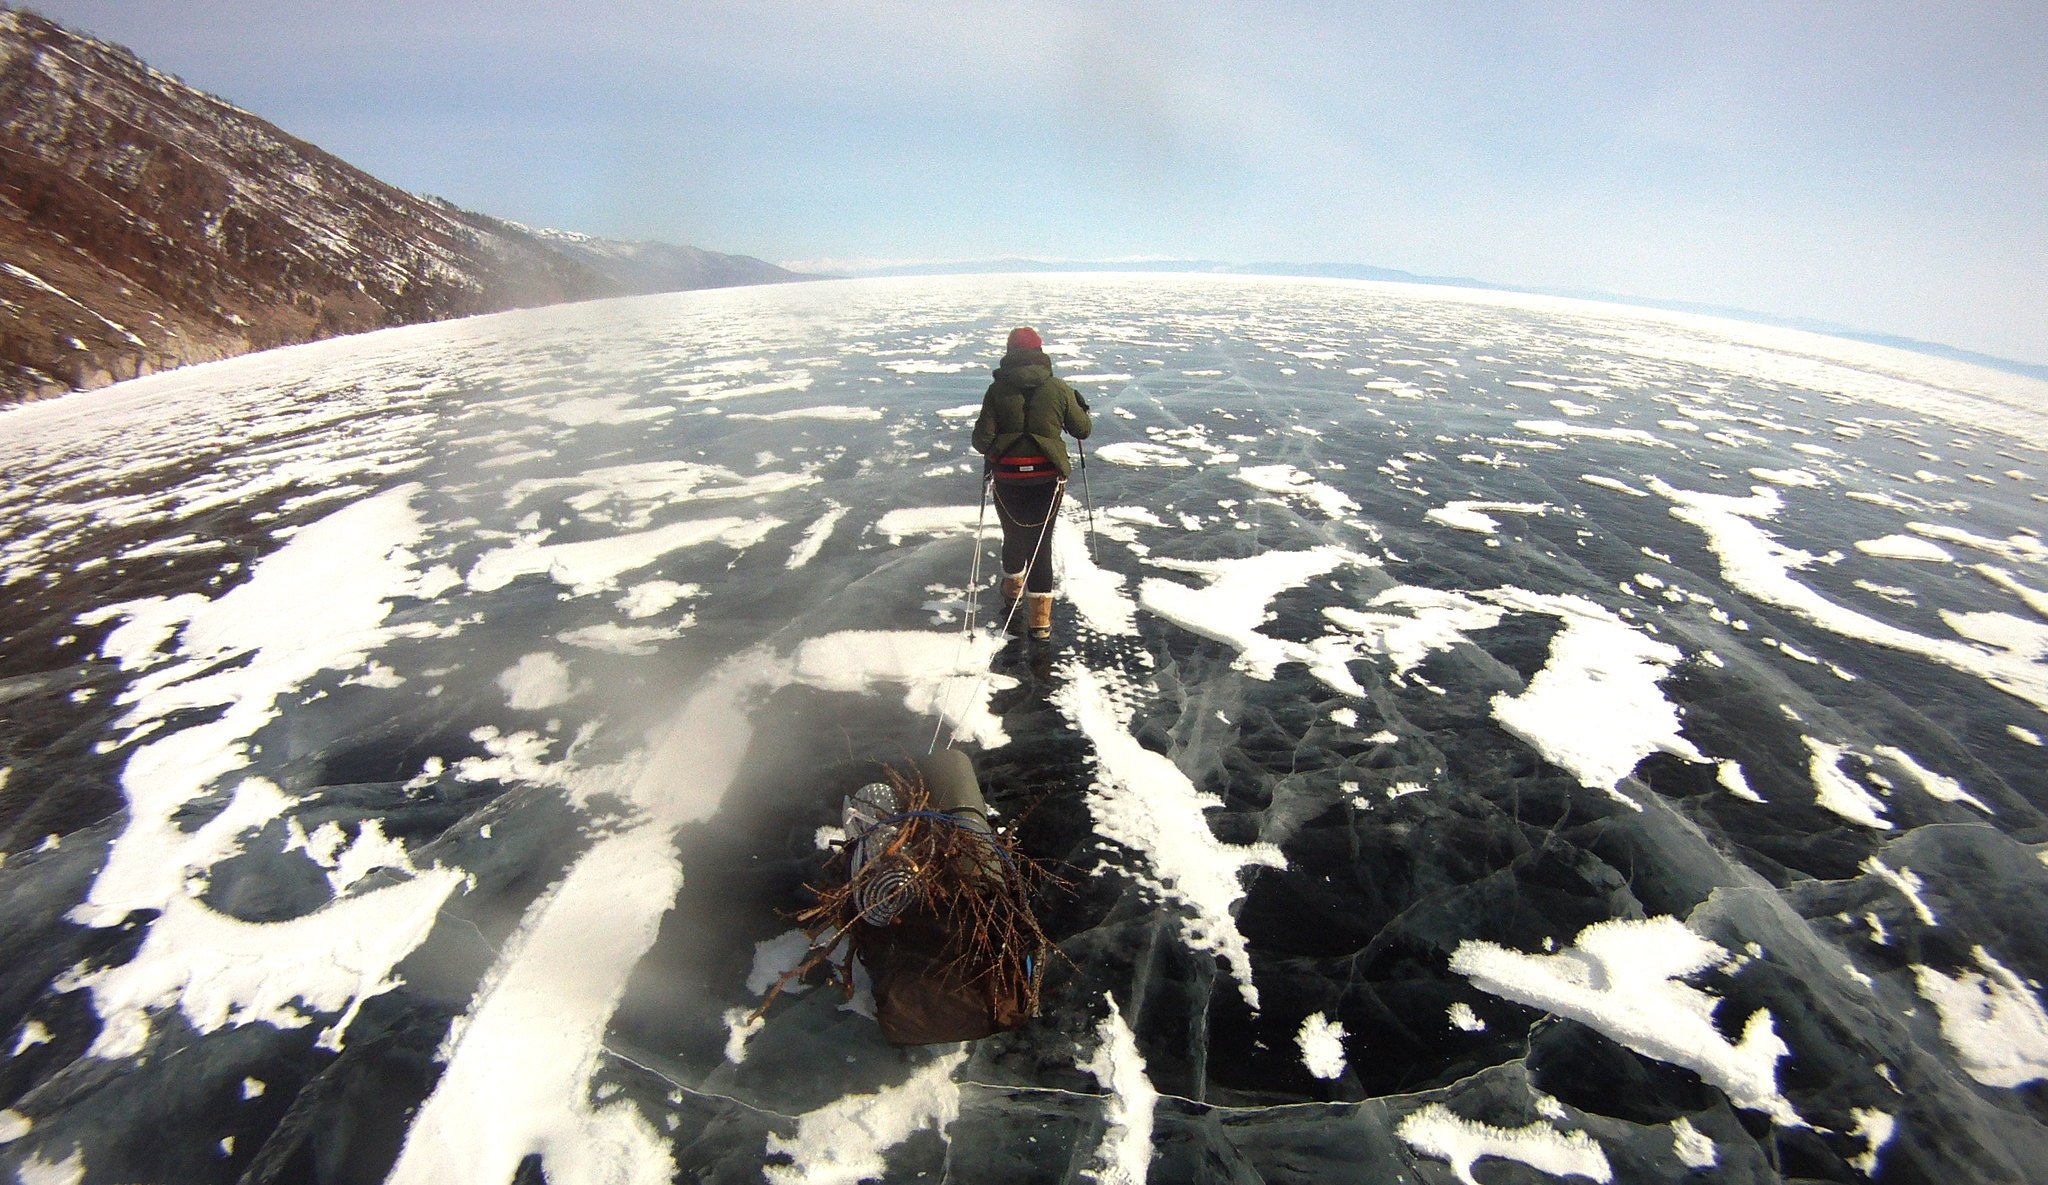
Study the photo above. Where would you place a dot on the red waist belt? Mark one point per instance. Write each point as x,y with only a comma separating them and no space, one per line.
1025,468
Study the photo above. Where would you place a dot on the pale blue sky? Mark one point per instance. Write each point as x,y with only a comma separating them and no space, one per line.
1879,164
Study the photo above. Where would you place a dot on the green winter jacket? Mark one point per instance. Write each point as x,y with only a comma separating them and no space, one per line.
1026,408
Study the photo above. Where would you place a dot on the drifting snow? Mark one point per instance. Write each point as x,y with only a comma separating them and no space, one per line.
942,674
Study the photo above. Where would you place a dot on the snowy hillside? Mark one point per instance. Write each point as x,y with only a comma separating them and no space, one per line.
145,224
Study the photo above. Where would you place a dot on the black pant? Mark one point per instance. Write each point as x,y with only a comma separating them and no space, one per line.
1026,512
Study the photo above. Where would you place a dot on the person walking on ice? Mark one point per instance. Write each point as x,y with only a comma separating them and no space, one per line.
1023,414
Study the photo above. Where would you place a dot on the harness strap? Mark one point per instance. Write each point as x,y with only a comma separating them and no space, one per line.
1021,468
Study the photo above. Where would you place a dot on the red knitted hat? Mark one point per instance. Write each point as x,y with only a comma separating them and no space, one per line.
1025,338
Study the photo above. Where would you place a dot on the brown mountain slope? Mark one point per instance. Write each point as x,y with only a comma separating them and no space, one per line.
145,224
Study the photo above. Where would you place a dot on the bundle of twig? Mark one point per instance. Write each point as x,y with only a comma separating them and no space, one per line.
940,866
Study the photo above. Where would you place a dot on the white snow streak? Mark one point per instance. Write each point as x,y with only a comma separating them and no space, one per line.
1143,801
1125,1155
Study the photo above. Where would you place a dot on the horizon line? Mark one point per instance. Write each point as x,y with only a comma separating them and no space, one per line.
876,268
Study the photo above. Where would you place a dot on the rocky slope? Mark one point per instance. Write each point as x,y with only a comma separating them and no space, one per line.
145,224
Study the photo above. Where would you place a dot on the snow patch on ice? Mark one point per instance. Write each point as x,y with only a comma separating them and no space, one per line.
519,1061
1139,455
1838,792
1237,600
1595,708
1905,547
1096,593
1693,1147
222,971
842,1143
654,597
1562,428
1407,624
1438,1131
594,565
1874,1128
740,1026
2012,548
318,604
1940,786
37,1171
1732,779
1625,979
2034,598
928,520
1472,516
33,1033
349,861
1322,1045
2007,652
1291,482
1907,882
1991,1019
815,536
1791,478
823,412
539,680
776,957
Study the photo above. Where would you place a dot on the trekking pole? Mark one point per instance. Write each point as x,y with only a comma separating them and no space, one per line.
1087,499
972,593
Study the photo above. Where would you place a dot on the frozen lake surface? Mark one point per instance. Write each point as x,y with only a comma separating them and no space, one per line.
1486,738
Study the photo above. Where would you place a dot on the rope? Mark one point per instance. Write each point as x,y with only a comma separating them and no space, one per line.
968,596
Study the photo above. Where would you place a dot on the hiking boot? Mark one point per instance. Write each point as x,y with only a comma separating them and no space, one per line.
1040,621
1013,585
